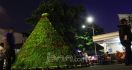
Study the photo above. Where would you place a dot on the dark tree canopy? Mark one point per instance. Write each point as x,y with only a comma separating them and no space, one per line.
64,17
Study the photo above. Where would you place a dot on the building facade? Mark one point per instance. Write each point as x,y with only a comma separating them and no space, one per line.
18,37
111,41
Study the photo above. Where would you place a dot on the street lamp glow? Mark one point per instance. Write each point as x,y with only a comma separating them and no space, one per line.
90,19
83,26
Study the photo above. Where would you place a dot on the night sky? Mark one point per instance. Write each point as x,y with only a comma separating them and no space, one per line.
14,12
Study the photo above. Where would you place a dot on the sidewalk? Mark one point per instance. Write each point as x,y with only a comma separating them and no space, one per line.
105,67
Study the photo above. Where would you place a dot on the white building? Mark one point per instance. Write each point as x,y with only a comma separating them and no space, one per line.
110,42
18,36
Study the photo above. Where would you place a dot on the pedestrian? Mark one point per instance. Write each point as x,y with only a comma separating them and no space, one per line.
2,55
10,51
125,38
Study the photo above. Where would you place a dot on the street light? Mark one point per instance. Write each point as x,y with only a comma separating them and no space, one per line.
90,20
83,26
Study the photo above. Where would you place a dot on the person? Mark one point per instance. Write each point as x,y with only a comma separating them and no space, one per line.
10,51
2,55
120,56
107,58
125,38
85,58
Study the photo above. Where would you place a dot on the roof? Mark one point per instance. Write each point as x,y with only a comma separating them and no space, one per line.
126,16
105,36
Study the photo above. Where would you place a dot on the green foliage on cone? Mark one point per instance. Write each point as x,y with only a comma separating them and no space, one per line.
42,48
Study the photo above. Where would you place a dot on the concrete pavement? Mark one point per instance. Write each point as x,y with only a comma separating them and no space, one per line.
105,67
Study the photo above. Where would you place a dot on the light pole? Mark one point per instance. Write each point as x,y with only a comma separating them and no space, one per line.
90,20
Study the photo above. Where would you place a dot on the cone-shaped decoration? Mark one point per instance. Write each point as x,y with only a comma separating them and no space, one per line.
43,48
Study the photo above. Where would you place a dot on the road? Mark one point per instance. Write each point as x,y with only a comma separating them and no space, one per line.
105,67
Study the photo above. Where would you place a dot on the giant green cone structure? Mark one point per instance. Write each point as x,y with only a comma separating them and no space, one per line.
43,48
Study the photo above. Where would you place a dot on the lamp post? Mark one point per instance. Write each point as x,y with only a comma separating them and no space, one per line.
90,20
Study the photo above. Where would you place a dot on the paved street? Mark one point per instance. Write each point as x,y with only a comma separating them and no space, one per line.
105,67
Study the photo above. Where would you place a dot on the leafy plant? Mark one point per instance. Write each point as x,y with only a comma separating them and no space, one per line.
43,40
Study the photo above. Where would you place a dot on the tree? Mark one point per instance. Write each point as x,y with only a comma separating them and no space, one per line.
64,17
83,41
43,44
84,38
